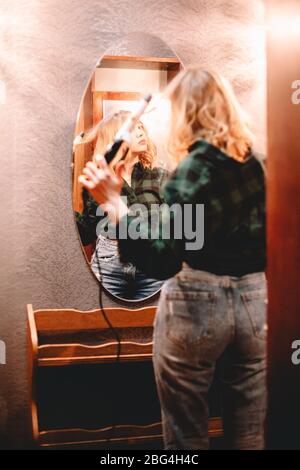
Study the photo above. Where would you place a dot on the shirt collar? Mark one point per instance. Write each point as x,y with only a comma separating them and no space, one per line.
205,147
213,152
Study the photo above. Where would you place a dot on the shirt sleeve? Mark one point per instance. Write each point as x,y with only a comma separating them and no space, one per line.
157,257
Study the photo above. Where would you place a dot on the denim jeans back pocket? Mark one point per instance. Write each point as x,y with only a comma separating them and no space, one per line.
109,258
255,303
189,316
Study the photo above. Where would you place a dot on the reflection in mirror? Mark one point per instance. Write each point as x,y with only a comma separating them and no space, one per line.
114,90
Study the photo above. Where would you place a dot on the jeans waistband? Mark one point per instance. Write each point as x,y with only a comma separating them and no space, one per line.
105,240
188,273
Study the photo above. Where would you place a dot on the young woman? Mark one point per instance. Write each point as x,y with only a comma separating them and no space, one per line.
212,309
142,182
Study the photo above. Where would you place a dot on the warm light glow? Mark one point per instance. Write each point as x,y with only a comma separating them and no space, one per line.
284,25
157,119
158,102
2,92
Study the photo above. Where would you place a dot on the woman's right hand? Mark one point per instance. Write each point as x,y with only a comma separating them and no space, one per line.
105,186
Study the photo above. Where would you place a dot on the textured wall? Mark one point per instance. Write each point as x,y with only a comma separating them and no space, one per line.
48,50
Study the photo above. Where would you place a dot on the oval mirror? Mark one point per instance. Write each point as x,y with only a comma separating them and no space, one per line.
138,65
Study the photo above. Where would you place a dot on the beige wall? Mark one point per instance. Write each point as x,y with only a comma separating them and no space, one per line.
134,80
49,50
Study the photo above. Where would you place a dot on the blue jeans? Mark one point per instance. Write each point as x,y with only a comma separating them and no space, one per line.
121,279
204,320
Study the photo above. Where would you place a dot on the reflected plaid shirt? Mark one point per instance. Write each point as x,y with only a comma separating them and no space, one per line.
146,188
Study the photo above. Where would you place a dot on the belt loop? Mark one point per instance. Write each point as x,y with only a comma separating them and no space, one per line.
226,282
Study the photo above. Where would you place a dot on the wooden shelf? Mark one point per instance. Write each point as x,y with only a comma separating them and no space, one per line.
45,324
140,62
117,435
58,338
53,342
131,435
57,354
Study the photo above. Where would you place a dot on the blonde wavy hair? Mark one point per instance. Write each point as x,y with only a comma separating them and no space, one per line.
204,106
105,131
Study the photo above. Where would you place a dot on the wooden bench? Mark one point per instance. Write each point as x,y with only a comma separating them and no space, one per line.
82,343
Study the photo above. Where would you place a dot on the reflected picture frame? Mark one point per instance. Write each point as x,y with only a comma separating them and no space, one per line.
107,102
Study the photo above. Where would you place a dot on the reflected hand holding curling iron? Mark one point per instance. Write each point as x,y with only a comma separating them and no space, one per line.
124,133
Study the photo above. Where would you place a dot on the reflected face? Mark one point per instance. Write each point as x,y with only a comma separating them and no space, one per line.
139,139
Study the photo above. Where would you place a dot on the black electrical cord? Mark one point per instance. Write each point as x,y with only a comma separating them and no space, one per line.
106,318
103,312
115,390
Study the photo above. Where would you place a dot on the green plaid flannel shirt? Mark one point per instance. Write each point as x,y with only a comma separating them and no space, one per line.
233,195
146,188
